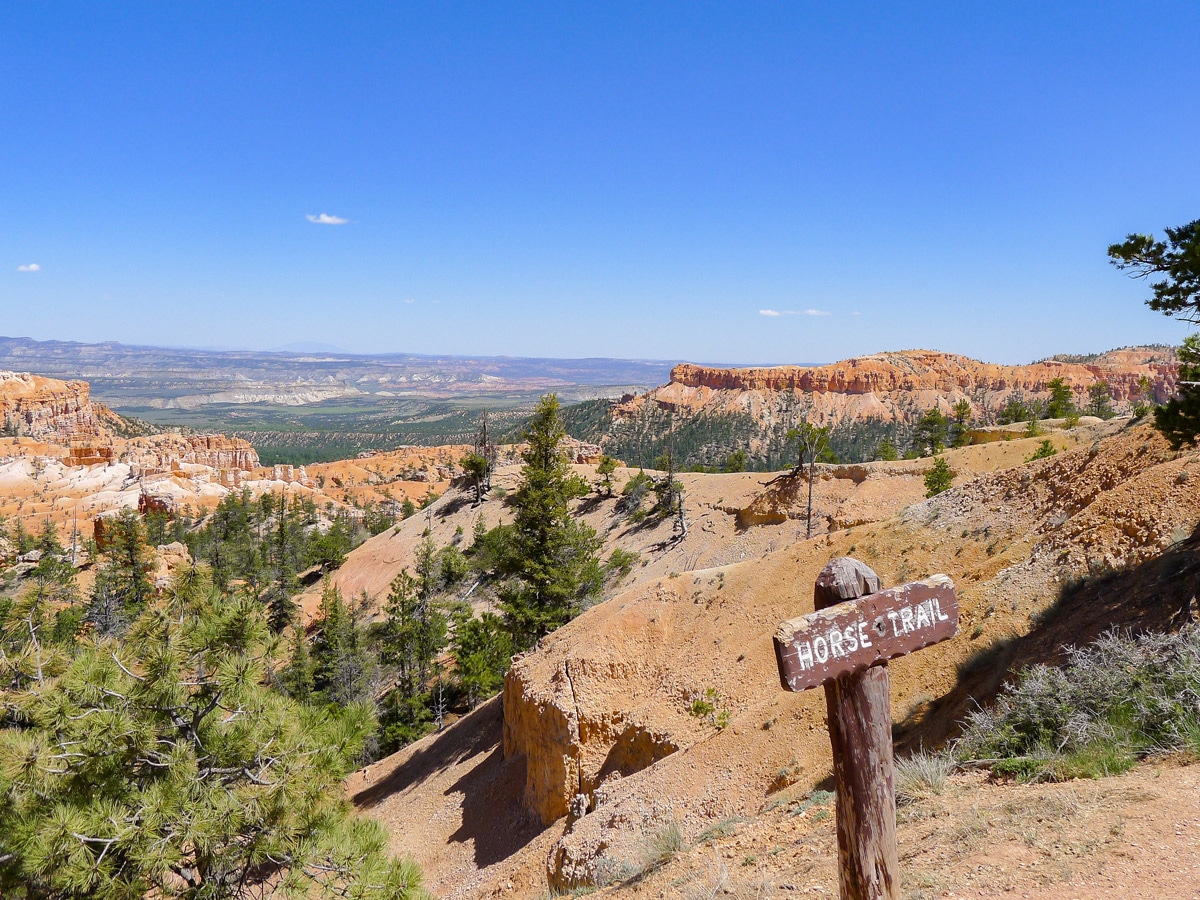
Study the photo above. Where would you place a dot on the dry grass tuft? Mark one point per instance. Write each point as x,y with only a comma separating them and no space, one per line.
922,775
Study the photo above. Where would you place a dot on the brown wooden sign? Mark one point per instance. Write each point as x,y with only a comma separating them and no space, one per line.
845,645
856,634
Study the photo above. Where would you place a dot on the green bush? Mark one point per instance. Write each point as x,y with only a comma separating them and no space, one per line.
1045,450
634,492
620,563
938,478
1115,701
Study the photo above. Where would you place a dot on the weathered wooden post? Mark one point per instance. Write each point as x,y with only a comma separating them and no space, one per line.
845,645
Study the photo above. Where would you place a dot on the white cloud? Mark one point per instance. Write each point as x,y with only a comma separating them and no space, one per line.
326,219
409,300
793,312
32,267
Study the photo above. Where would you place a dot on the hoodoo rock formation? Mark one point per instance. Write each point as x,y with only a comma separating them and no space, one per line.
166,452
48,409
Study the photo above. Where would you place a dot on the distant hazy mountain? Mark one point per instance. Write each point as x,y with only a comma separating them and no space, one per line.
308,347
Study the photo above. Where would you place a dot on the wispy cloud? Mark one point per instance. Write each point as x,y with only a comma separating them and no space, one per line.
793,312
32,267
409,300
326,219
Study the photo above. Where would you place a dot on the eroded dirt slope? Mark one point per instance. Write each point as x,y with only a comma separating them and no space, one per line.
600,747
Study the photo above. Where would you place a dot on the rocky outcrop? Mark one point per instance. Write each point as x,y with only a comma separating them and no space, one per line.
49,410
580,452
167,452
926,370
151,503
895,387
169,560
573,738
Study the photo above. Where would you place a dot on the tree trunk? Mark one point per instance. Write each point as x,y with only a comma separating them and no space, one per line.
812,460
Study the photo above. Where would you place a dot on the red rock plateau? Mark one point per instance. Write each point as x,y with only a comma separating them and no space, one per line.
898,386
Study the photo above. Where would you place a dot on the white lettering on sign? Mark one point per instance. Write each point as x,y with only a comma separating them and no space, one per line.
837,642
866,631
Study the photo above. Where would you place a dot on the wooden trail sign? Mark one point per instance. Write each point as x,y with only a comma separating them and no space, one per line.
845,645
856,634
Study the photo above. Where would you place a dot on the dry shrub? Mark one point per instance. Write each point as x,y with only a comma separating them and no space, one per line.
922,775
1115,701
663,845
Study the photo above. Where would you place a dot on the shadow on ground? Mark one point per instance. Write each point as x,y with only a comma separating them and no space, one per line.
1158,595
493,813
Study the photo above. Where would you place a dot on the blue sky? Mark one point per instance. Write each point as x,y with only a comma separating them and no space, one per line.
569,179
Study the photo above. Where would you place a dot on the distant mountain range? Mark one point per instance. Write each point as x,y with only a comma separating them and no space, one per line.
146,378
313,403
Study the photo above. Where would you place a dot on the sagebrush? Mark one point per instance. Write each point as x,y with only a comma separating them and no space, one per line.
1115,701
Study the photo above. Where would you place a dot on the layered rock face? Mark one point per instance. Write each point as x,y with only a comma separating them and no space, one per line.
923,370
48,409
894,386
573,739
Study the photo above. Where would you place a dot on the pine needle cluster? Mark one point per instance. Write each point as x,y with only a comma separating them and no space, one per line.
162,763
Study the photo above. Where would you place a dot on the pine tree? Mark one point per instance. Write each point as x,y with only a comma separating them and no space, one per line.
811,442
21,538
296,678
1145,398
482,651
960,423
343,668
283,554
1100,400
735,462
478,468
1062,401
605,469
554,562
122,585
414,632
931,433
1179,418
669,491
53,577
1177,293
938,478
163,765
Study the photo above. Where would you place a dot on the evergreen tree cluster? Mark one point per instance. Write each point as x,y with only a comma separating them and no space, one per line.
433,652
262,544
160,759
